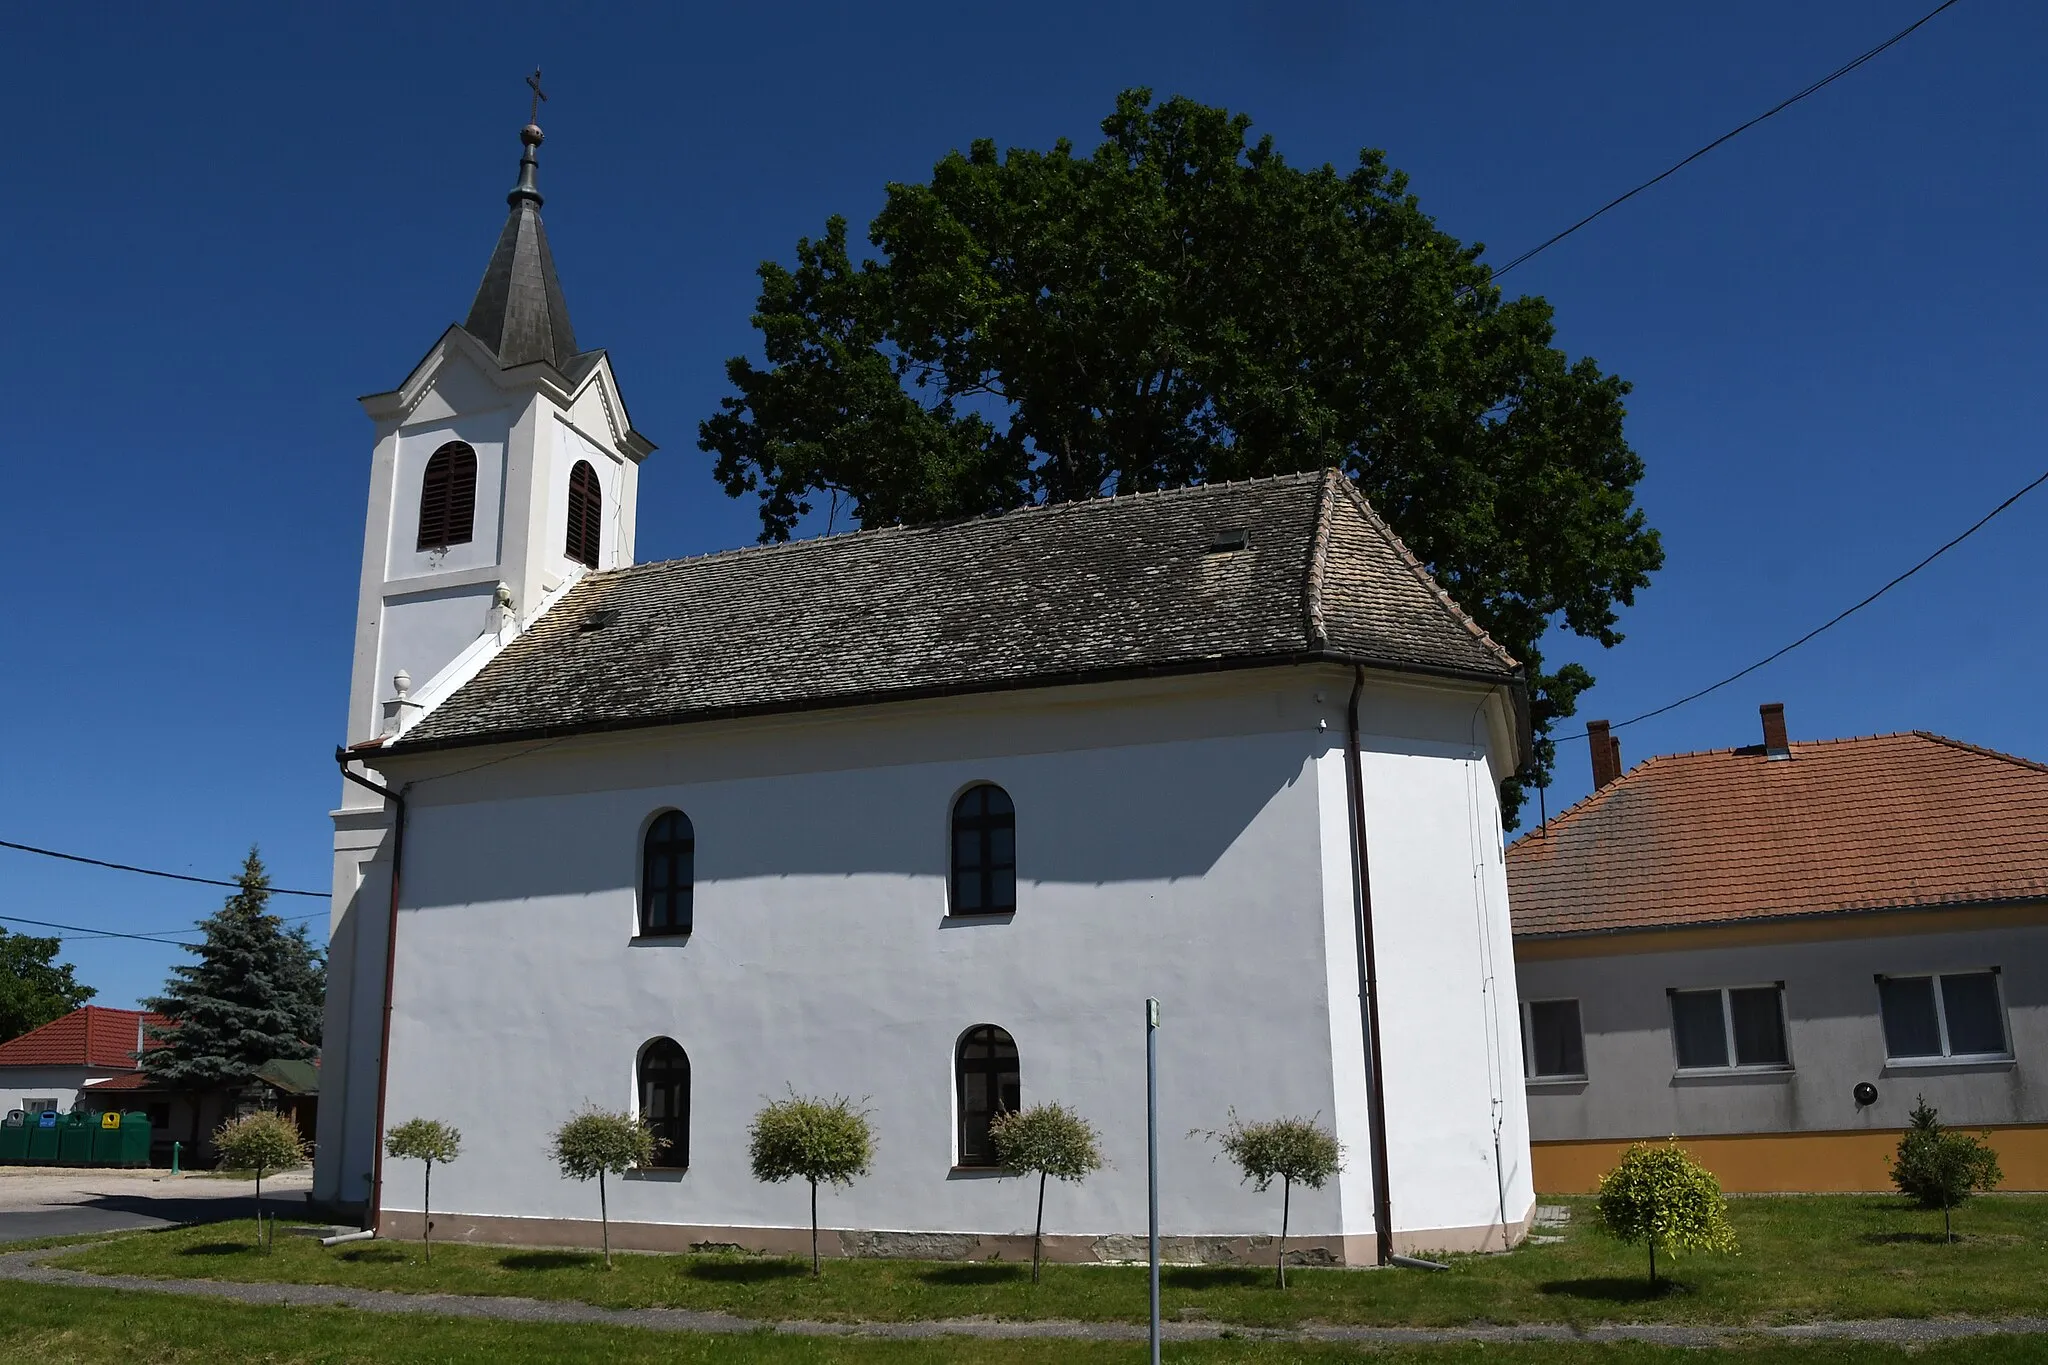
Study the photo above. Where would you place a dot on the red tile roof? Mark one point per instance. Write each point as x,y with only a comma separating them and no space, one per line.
1884,822
127,1080
92,1036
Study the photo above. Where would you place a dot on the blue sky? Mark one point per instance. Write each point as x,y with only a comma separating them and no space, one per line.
221,224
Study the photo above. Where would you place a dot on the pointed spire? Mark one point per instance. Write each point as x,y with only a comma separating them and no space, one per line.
519,312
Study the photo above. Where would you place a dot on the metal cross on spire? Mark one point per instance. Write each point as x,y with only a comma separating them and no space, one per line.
539,96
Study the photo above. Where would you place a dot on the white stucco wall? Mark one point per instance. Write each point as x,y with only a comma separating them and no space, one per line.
20,1084
1184,840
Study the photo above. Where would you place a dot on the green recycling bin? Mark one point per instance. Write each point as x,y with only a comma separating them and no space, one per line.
13,1138
42,1138
135,1138
106,1138
74,1139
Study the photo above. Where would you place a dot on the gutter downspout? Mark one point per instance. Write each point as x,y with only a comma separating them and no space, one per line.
1368,985
397,800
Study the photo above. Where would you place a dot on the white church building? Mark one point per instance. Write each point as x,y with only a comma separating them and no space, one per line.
919,816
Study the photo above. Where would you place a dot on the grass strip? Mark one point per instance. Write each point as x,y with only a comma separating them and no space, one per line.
1803,1259
55,1325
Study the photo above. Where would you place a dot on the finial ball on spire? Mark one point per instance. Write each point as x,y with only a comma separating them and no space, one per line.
530,135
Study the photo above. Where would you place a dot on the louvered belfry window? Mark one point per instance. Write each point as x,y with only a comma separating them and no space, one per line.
586,514
448,498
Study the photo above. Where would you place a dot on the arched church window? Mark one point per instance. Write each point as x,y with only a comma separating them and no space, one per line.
984,852
586,514
665,1100
448,498
986,1064
668,875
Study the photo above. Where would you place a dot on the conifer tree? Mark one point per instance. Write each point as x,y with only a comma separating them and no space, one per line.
256,994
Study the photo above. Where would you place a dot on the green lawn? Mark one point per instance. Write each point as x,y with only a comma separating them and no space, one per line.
62,1326
1801,1259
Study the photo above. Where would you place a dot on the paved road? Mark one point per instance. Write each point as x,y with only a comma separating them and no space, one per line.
42,1202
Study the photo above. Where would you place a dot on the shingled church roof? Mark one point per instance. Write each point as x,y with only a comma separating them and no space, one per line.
1292,569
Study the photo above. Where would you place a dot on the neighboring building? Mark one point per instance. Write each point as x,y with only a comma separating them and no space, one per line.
46,1068
1773,951
920,816
189,1116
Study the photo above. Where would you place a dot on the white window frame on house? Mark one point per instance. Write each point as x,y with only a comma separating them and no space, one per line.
1728,1029
38,1106
1529,1071
1948,1057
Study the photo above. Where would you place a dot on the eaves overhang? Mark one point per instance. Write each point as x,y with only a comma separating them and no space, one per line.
403,748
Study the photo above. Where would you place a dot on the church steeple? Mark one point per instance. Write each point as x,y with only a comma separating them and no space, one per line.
519,312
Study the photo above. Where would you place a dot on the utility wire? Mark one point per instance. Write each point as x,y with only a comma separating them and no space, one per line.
150,871
1832,622
1778,108
80,931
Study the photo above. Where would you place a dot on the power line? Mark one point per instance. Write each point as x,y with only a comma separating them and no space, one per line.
1833,621
81,931
150,871
1778,108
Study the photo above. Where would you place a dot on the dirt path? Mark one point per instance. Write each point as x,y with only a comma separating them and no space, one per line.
28,1267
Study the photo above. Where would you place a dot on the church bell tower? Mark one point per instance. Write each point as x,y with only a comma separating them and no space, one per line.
505,468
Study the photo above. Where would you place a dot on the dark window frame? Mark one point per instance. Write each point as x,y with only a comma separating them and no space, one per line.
669,846
1529,1049
987,1052
585,534
974,884
1732,1050
448,498
664,1097
1939,992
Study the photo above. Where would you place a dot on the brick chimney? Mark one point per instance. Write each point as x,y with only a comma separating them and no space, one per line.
1775,743
1606,753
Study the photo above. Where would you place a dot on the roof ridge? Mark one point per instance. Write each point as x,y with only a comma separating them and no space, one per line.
1970,748
989,518
1422,573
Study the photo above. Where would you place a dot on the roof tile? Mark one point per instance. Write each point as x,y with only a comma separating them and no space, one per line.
1883,822
92,1035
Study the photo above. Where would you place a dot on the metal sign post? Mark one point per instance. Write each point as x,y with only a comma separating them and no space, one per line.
1152,1155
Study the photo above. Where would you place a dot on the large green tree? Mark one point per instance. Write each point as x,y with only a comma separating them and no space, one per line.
34,987
256,994
1181,306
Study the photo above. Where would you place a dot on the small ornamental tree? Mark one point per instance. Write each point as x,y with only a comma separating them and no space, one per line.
260,1142
801,1138
1658,1194
1046,1140
1298,1151
1940,1167
428,1140
597,1143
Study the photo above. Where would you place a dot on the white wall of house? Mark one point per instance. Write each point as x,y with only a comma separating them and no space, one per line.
1633,1087
20,1084
1180,839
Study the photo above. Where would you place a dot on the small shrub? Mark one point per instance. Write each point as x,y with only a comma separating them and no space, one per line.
1659,1194
597,1143
1298,1151
1046,1140
260,1142
1940,1168
428,1140
801,1138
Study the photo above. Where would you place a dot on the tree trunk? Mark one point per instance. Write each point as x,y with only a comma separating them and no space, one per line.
1947,1229
427,1199
814,1229
1280,1260
1038,1230
604,1218
1653,1258
259,1212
